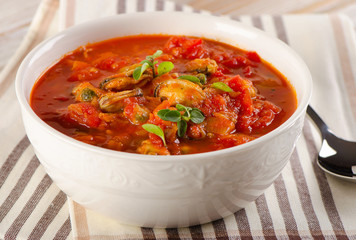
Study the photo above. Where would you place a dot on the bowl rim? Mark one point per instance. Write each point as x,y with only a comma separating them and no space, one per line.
25,105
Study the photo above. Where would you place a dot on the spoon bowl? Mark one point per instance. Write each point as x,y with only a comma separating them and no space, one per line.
337,156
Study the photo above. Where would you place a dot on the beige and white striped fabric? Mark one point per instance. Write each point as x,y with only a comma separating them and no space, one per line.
303,203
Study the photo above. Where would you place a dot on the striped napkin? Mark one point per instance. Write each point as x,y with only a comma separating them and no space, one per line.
303,203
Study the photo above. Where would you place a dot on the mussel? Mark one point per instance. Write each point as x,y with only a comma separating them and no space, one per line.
114,101
180,91
86,92
124,80
147,147
203,65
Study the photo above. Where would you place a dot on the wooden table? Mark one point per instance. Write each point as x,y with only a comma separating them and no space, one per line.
16,15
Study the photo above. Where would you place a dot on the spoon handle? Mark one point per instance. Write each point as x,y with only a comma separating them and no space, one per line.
317,120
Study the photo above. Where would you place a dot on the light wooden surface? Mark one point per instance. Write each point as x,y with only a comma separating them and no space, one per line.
16,15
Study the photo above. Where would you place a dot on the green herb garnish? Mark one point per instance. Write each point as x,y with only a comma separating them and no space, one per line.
190,78
155,130
182,128
137,73
169,115
196,116
190,114
162,112
181,107
222,86
155,55
199,79
186,114
164,67
149,62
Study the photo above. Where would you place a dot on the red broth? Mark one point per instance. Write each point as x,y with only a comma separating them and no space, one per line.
123,94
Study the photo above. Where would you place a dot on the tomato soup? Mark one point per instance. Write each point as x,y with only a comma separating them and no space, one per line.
163,95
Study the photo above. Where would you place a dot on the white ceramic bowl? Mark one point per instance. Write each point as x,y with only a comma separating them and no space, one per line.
163,191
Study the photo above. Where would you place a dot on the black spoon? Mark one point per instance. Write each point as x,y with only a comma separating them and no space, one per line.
336,156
